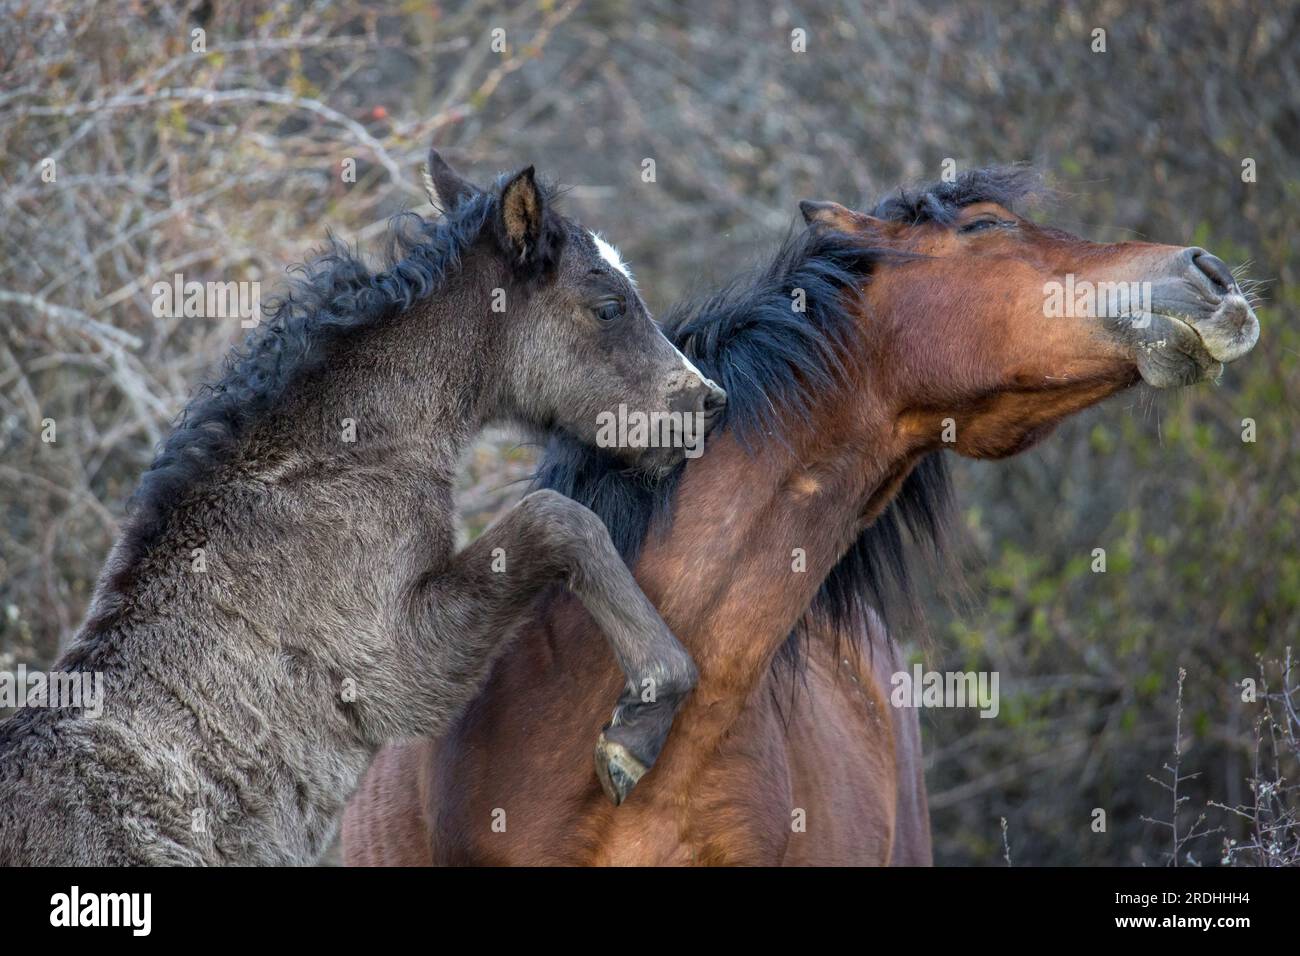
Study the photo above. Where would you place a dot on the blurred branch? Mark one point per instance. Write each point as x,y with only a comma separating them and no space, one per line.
73,319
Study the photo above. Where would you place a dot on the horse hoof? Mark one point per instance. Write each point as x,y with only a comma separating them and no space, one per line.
617,769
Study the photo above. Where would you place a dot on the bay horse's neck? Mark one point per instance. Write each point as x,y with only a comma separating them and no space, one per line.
723,575
753,538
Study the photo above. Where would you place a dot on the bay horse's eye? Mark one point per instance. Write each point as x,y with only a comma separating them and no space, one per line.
979,225
610,309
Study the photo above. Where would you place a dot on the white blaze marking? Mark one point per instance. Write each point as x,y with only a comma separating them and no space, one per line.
610,255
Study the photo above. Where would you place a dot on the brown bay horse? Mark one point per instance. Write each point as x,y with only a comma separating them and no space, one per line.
934,323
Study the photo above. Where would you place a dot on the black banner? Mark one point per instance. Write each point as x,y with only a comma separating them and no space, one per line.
335,905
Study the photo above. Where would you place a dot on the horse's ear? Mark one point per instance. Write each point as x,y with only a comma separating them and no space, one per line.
445,187
522,209
823,212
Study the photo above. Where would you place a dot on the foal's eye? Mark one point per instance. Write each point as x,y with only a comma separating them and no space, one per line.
979,225
610,309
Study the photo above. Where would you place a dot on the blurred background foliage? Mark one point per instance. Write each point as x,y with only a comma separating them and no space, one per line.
224,163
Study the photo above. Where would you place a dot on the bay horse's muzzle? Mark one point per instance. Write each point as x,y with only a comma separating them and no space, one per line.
1197,319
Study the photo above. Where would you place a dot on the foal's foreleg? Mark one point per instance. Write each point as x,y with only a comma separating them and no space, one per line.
548,539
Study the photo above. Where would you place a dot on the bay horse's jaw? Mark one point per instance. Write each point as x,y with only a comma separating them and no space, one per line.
1170,354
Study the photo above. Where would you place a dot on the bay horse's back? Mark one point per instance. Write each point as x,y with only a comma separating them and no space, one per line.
384,823
856,766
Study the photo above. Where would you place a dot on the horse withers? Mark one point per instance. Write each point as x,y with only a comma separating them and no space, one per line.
939,321
284,597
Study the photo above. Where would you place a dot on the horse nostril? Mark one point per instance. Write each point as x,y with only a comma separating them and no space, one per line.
715,400
1216,270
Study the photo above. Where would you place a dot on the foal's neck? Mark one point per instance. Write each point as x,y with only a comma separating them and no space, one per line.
352,465
412,391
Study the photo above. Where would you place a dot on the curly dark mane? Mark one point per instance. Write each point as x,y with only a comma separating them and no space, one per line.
332,296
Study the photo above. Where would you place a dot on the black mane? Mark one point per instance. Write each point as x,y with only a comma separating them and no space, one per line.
941,202
334,295
773,362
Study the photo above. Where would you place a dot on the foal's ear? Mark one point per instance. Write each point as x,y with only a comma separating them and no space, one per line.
522,210
823,212
445,187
